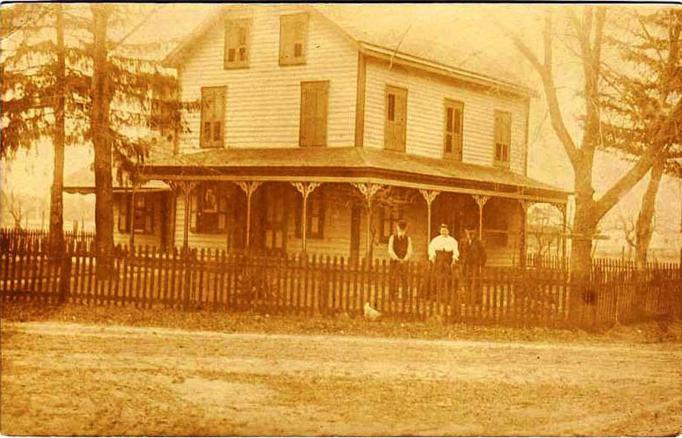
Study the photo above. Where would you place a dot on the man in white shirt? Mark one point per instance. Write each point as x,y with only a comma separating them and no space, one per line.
443,249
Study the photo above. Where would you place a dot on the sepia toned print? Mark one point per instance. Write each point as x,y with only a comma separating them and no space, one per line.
341,219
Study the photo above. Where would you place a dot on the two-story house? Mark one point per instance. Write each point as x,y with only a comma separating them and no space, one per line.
310,137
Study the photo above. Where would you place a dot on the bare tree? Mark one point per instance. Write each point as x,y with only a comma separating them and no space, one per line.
588,31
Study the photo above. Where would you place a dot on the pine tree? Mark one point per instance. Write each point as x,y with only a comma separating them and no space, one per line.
646,92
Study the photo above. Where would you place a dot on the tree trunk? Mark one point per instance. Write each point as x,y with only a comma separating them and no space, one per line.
585,224
56,199
104,214
645,228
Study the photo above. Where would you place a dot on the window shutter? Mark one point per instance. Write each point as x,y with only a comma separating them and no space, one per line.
213,116
395,124
320,115
123,213
293,39
313,123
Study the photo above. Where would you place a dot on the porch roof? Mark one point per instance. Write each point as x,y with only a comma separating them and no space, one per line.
82,181
349,164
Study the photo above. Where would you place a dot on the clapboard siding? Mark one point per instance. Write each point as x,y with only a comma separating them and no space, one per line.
263,101
425,97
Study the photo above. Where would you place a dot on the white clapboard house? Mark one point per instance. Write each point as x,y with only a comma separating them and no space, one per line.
307,129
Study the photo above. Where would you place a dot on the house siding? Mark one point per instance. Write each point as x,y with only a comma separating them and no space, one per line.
263,100
426,93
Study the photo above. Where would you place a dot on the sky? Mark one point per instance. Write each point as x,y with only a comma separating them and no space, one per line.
470,36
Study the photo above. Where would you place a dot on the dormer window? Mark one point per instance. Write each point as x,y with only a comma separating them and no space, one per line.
293,39
502,138
237,43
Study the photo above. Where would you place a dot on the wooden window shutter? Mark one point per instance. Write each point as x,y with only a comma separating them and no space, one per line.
502,137
293,39
314,109
213,116
453,129
237,43
123,216
149,214
222,208
395,124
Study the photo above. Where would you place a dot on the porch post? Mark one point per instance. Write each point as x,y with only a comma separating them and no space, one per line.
249,187
523,253
480,201
305,189
562,209
429,197
132,217
368,191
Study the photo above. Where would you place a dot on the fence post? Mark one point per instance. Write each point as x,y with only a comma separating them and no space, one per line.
64,277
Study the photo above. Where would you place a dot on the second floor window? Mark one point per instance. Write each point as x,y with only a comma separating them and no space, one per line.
237,43
140,218
293,39
212,116
502,137
313,124
395,127
452,135
208,206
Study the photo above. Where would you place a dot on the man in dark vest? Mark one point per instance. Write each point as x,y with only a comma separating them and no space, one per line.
400,252
473,261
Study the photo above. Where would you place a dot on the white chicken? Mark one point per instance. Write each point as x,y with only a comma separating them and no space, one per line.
370,313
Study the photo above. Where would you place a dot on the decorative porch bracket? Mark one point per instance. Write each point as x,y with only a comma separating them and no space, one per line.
481,200
184,187
368,191
305,189
248,187
429,196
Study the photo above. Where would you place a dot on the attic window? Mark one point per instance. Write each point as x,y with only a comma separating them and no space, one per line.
237,43
293,39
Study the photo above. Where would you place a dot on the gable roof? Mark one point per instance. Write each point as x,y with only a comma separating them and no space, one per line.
417,35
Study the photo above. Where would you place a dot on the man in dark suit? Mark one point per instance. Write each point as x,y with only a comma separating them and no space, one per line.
474,258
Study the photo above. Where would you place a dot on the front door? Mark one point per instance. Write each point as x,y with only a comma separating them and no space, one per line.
274,219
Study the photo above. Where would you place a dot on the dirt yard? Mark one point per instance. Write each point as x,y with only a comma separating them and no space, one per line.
60,378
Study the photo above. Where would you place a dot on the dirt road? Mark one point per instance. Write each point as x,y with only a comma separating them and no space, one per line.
62,378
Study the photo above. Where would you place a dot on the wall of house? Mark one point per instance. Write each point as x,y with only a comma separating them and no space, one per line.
263,101
336,239
425,115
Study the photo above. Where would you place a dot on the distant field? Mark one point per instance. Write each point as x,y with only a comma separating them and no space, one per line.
60,378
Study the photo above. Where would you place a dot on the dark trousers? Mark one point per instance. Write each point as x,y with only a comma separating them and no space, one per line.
472,278
399,278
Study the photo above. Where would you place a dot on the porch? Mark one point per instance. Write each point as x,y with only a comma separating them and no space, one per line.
351,199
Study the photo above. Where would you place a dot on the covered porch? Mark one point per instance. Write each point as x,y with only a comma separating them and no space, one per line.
351,199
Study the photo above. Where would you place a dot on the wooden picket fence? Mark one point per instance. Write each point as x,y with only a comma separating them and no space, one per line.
323,285
13,238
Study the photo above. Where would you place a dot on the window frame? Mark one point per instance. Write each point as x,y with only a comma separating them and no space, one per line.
317,87
286,20
318,198
220,94
457,147
200,214
391,125
392,215
499,144
127,214
236,25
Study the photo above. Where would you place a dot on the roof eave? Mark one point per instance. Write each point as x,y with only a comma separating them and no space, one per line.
460,74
